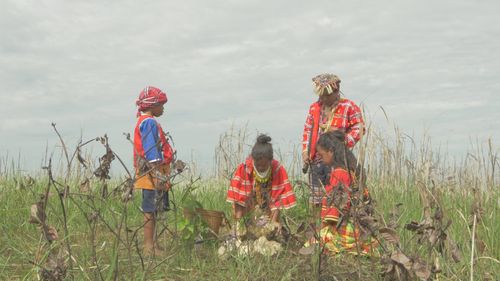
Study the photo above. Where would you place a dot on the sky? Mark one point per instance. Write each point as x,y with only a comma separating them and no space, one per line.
431,65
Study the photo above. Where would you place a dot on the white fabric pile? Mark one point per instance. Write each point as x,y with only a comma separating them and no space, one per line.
262,229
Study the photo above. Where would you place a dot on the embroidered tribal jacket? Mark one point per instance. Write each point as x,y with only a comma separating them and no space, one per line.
347,116
242,187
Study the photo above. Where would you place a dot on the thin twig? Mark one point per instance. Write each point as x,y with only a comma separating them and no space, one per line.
472,248
65,150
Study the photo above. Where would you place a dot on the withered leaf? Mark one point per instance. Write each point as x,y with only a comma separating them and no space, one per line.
389,269
179,166
402,259
102,171
80,159
29,181
433,236
421,270
55,268
390,235
34,214
394,216
37,214
51,234
413,226
85,186
369,221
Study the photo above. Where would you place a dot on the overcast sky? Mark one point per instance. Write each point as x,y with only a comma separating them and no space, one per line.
432,65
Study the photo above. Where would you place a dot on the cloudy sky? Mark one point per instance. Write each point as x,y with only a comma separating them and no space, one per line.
432,65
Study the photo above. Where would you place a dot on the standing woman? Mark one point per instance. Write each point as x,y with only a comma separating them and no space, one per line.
329,113
346,188
261,183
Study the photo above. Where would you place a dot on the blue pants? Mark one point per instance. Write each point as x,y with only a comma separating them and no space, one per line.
154,201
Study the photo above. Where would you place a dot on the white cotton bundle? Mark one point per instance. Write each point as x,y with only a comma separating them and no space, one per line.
266,247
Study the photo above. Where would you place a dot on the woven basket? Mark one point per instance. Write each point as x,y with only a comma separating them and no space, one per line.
214,219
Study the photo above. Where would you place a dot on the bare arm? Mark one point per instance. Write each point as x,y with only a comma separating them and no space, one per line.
275,216
239,212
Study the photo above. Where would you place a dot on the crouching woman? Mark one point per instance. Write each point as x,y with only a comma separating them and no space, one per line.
260,184
345,199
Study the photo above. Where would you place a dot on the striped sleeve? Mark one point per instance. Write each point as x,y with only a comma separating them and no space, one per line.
240,188
355,125
308,127
282,194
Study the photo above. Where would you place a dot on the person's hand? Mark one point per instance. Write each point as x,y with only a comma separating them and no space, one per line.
305,157
306,162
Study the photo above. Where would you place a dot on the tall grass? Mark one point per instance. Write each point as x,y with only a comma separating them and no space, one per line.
105,234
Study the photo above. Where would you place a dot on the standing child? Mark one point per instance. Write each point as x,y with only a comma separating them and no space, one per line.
152,158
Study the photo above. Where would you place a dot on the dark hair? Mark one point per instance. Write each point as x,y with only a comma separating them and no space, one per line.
342,156
334,142
262,148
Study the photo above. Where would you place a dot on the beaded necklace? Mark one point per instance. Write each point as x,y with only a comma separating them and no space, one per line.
327,115
261,184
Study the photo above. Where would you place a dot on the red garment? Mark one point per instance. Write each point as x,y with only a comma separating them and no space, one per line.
347,116
339,178
149,97
145,180
167,151
242,185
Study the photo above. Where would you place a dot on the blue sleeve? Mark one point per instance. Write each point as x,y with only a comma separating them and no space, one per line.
150,140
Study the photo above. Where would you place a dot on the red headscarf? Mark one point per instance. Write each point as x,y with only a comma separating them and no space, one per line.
150,96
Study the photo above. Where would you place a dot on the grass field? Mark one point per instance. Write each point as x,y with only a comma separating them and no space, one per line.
101,238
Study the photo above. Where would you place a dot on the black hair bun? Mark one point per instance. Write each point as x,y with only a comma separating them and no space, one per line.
263,139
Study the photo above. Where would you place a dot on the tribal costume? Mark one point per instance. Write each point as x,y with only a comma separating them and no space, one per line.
345,116
152,153
270,192
344,236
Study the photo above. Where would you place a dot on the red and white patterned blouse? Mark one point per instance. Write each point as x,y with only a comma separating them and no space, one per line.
346,116
241,189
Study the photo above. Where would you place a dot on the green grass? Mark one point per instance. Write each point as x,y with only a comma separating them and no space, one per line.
21,243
